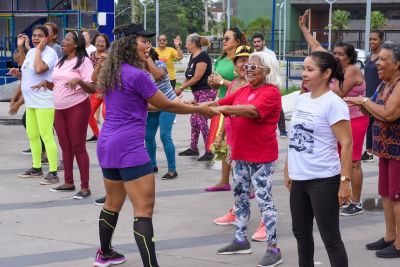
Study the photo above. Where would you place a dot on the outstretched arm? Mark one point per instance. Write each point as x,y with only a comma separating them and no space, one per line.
312,42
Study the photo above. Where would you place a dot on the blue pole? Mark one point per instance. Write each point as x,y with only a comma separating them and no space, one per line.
273,25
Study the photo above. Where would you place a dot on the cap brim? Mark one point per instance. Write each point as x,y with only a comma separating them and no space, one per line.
242,55
146,33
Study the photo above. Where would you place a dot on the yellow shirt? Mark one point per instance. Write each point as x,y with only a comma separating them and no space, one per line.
168,55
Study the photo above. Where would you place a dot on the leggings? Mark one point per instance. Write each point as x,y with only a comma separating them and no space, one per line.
198,122
24,123
71,128
164,120
317,198
260,175
95,103
368,143
39,124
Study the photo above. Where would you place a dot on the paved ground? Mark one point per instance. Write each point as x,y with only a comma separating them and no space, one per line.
41,228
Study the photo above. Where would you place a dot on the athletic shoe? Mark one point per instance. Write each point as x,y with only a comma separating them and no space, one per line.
60,167
169,176
189,152
271,258
208,156
227,219
105,260
261,234
27,151
388,252
32,173
283,134
100,201
379,245
236,247
92,139
62,188
82,194
367,157
352,210
50,179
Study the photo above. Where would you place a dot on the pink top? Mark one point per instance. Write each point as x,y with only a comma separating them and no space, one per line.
64,97
357,90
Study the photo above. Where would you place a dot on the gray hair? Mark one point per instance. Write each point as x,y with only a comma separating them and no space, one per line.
394,47
198,40
268,60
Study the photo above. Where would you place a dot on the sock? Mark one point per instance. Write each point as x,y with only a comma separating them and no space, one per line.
144,236
107,222
54,173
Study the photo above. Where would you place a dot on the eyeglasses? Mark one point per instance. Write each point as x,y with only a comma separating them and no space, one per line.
226,39
100,42
162,40
253,67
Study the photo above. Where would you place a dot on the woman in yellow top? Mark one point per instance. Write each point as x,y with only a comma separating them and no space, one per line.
169,54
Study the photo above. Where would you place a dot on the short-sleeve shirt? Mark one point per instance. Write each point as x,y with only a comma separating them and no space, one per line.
90,49
121,141
65,97
201,84
224,67
164,84
312,151
41,98
57,48
254,139
168,55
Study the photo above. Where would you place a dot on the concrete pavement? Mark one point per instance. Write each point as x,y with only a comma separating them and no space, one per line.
42,228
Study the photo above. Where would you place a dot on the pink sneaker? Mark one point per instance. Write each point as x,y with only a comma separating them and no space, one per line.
228,219
226,187
260,235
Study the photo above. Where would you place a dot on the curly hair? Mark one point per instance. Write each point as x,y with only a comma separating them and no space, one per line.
123,50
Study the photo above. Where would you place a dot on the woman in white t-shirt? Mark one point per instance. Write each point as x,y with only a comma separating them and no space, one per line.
318,180
38,65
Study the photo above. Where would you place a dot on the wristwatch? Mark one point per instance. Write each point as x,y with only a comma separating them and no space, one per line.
344,179
221,82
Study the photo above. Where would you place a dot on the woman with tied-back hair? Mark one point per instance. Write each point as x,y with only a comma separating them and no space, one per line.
353,85
317,179
196,75
71,85
125,163
386,145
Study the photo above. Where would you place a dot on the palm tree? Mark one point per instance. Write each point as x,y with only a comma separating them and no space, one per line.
378,20
340,21
261,24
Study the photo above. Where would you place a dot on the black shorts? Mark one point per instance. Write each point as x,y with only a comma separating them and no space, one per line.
127,174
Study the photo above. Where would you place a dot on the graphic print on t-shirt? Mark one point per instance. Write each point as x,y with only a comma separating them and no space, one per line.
302,135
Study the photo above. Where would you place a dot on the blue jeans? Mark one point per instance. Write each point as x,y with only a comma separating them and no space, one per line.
165,121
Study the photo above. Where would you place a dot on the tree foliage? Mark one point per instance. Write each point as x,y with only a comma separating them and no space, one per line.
261,24
378,20
340,19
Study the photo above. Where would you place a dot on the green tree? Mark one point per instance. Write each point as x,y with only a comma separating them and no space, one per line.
378,20
340,19
237,22
260,24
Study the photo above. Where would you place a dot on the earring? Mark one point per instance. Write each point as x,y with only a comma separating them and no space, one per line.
75,46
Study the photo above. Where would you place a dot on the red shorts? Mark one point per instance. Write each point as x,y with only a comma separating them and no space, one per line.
359,127
389,178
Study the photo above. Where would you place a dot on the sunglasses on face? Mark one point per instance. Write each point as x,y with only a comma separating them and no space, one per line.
162,40
226,39
253,67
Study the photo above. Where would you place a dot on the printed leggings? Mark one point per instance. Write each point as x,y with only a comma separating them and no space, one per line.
39,124
198,122
71,127
260,175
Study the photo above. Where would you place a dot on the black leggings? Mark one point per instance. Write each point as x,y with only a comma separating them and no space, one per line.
369,134
319,198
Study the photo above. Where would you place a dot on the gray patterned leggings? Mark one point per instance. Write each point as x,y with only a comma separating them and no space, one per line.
260,175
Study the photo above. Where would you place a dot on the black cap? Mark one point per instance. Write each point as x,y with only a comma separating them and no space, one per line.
132,29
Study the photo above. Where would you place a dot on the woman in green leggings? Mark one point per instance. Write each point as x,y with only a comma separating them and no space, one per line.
38,65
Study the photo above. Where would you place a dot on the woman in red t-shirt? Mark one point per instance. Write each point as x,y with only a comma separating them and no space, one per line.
254,112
